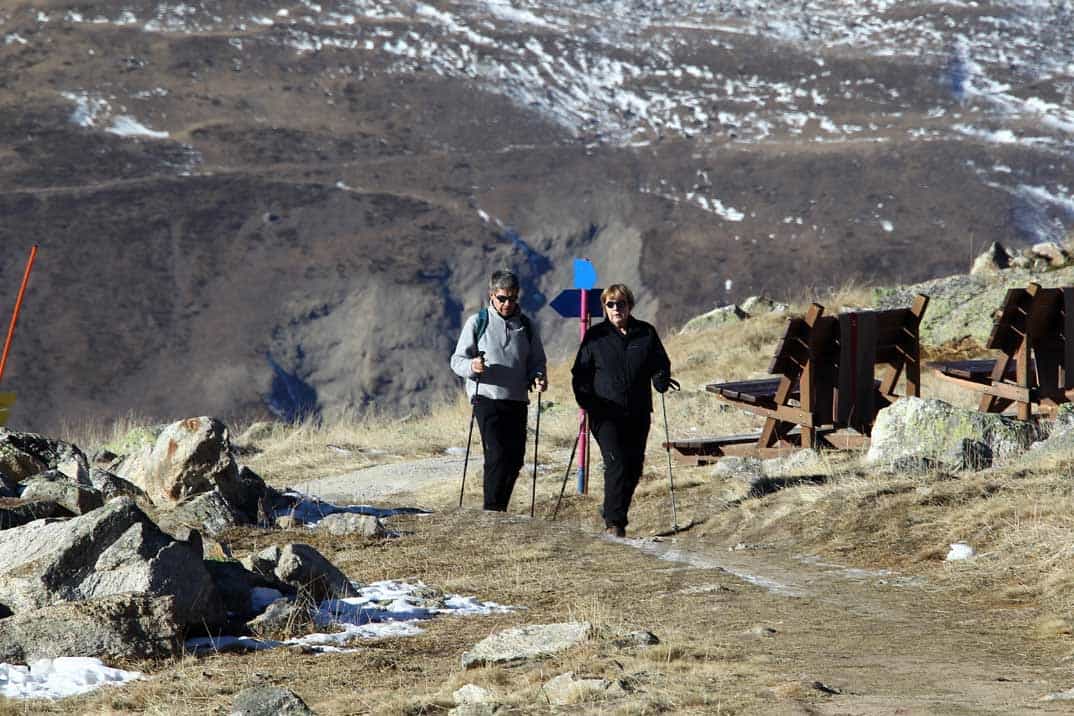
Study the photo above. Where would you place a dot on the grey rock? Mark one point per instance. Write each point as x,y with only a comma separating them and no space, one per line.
969,454
121,626
111,485
269,701
472,694
208,513
18,512
527,642
282,619
715,317
55,486
304,568
23,455
926,429
638,638
1052,253
111,550
755,305
347,523
187,458
568,688
8,486
799,462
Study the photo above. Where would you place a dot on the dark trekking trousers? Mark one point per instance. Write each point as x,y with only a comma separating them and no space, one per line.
503,435
622,445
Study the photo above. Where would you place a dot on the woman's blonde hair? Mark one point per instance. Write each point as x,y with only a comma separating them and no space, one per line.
616,290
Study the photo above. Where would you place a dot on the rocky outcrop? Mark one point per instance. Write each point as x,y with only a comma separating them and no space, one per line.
111,550
752,306
208,512
304,568
527,642
568,688
933,432
121,626
238,587
15,513
111,485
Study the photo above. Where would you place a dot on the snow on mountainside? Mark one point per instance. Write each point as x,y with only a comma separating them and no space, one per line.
357,150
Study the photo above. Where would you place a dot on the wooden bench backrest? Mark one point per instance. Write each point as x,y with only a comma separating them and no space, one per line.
1036,323
845,350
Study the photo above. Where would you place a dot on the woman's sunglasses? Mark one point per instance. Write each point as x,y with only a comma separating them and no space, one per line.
615,304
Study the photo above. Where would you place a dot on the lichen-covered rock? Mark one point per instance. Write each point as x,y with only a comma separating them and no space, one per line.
269,701
927,429
187,458
715,317
347,523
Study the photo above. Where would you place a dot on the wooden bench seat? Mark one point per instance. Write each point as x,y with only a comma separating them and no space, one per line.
823,380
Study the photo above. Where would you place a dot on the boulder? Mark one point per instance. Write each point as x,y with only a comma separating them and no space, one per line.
928,429
254,500
8,486
111,550
472,694
23,455
120,626
111,485
239,587
348,523
571,689
15,513
304,568
1052,253
527,642
993,260
268,701
715,317
56,487
282,619
756,305
208,513
187,458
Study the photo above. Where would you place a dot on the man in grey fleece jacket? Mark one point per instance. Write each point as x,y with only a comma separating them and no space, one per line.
507,356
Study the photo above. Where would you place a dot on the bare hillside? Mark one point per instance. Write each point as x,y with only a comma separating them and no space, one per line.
249,206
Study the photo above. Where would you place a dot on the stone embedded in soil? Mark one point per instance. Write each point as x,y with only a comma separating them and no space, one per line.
528,642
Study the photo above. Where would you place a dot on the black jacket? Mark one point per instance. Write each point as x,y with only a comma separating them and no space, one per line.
612,371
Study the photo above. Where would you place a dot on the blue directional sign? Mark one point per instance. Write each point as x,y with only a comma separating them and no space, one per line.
585,275
569,302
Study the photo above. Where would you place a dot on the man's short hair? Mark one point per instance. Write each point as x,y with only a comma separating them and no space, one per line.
504,279
618,290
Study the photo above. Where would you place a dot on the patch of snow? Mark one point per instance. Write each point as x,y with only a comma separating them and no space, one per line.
60,678
959,551
126,126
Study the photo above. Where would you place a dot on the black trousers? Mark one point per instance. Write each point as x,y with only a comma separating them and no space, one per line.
503,434
622,445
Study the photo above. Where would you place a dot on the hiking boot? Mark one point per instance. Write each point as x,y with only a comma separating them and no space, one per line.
614,531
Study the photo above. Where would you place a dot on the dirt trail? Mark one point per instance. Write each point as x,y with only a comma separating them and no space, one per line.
873,641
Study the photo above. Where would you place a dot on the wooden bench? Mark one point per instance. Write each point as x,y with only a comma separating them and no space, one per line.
1031,333
824,391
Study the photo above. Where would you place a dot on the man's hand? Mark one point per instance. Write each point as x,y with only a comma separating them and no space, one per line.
664,383
477,365
540,383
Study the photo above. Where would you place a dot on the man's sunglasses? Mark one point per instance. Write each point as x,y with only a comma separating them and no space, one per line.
505,299
615,304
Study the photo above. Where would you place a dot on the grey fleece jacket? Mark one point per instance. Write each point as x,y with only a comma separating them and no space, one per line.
511,362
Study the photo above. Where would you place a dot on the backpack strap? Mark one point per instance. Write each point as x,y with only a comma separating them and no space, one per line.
481,322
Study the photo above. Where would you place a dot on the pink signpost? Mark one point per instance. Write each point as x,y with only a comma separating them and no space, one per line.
570,303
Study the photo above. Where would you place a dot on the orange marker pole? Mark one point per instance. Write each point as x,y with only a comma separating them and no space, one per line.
18,305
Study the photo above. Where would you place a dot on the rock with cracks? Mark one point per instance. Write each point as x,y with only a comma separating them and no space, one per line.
934,431
112,550
122,626
53,485
528,642
571,689
23,455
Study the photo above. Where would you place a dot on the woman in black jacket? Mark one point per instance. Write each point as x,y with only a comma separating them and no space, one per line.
616,362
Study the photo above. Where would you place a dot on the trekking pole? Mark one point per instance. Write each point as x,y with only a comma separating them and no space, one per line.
536,440
470,436
566,475
671,481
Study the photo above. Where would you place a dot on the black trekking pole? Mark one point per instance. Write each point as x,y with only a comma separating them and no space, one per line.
671,481
470,436
536,441
566,475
